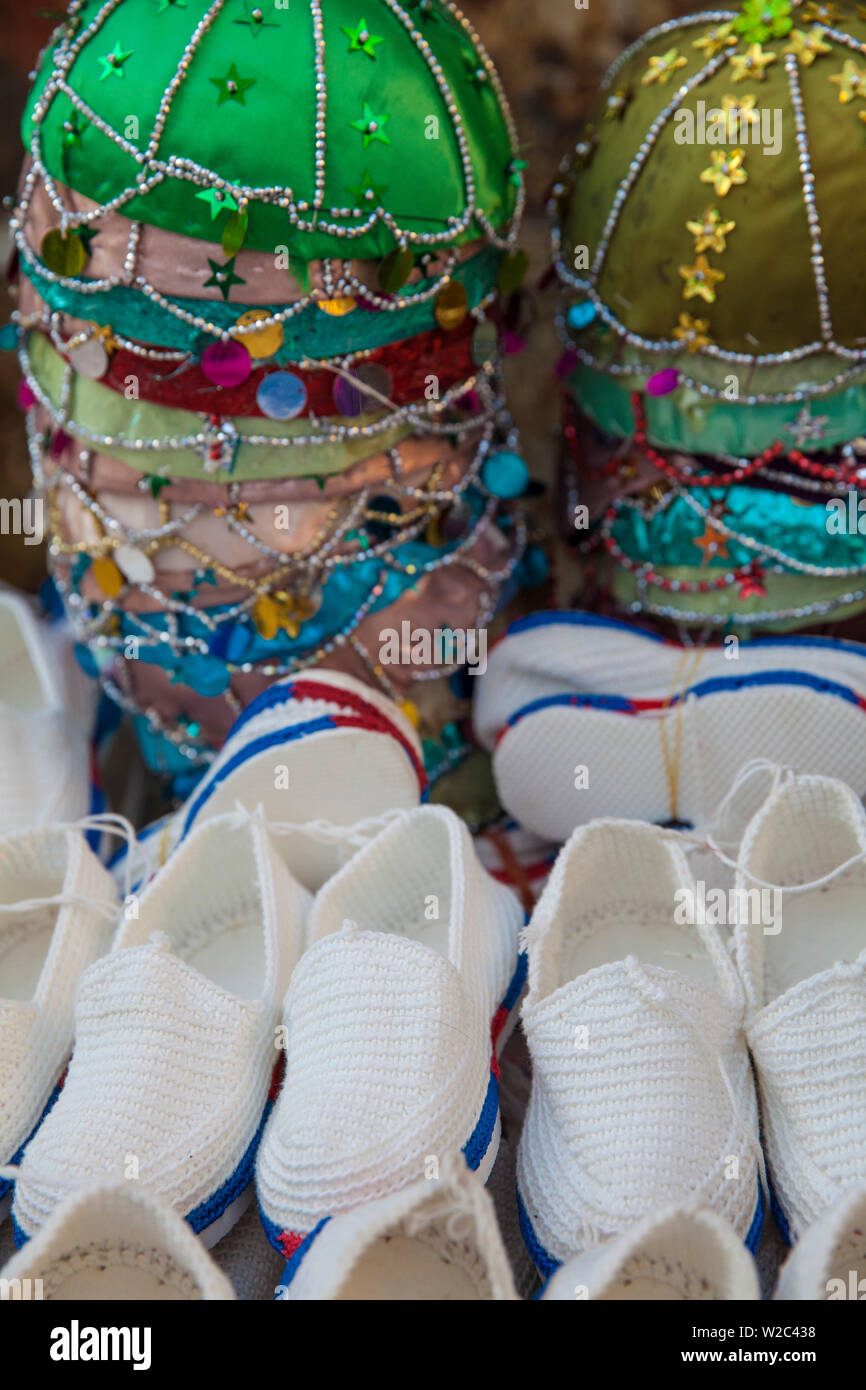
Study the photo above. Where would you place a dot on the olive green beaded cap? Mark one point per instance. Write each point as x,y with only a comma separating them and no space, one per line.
337,127
709,218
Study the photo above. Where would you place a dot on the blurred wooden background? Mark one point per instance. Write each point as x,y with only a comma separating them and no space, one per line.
550,54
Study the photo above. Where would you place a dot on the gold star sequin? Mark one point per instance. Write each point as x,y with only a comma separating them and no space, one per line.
692,333
662,68
740,111
820,14
851,81
807,47
711,232
751,63
715,39
711,545
701,280
725,172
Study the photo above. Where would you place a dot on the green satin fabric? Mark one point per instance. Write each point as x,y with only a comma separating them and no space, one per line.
771,518
268,140
311,333
784,591
710,427
103,411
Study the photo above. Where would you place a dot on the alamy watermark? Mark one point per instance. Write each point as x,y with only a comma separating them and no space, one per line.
735,122
23,516
719,907
439,646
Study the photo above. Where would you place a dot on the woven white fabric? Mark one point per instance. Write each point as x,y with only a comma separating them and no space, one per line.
46,716
43,953
564,766
829,1260
341,775
565,653
684,1253
642,1094
115,1241
435,1239
175,1033
388,1022
806,986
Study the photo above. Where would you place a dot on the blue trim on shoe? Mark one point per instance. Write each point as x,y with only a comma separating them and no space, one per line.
779,1216
6,1184
212,1208
547,1265
294,1263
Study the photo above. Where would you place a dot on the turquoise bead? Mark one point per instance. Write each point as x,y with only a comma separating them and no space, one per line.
505,474
581,315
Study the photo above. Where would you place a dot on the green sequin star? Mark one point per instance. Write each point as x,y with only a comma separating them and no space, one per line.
157,484
370,125
171,5
232,86
367,191
255,20
223,277
112,63
219,200
73,129
478,74
515,169
361,40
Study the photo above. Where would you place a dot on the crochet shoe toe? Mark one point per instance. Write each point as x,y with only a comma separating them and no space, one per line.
175,1037
642,1093
829,1260
435,1240
58,907
805,979
392,1026
684,1254
114,1241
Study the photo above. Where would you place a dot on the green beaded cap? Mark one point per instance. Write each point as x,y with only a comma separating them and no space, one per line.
716,256
342,127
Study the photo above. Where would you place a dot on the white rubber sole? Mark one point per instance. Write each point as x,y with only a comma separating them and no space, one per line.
214,1233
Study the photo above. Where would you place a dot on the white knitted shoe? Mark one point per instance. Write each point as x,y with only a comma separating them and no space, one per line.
806,989
46,717
642,1093
566,652
568,760
412,967
175,1037
44,948
828,1262
114,1241
436,1239
682,1254
319,747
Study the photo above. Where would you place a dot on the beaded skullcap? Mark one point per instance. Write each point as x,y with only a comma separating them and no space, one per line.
335,129
705,224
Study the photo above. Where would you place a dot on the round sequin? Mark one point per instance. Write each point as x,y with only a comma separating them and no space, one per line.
260,342
134,564
64,255
226,364
505,474
581,315
484,343
281,396
107,576
395,270
452,306
337,307
362,393
90,359
663,382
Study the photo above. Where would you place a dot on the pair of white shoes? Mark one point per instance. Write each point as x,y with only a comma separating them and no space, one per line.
641,1017
590,718
388,1000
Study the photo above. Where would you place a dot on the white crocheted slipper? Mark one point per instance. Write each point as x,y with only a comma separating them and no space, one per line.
436,1239
114,1241
393,1024
828,1262
318,747
568,760
642,1092
58,909
569,652
682,1254
805,982
47,709
175,1037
